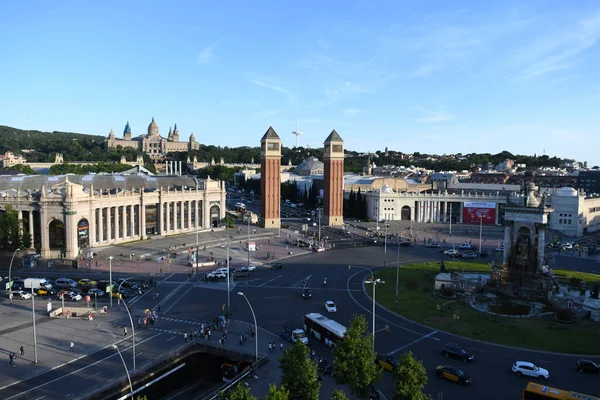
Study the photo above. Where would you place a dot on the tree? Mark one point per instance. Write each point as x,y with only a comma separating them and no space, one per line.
11,231
338,395
277,393
355,358
299,373
410,378
240,392
229,221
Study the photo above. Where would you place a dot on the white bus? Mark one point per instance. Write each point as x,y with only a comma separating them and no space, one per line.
323,329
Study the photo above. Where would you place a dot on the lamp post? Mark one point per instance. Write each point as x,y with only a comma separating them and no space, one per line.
132,331
35,357
110,258
319,211
119,289
10,276
197,258
228,276
249,240
377,217
397,271
450,219
255,327
126,370
374,282
385,245
481,230
412,216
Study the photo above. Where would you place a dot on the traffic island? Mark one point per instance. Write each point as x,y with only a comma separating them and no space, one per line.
419,301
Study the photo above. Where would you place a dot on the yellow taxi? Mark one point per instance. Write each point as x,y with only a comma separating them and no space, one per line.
87,282
385,362
44,291
453,374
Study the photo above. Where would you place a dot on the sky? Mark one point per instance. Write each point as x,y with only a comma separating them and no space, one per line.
422,76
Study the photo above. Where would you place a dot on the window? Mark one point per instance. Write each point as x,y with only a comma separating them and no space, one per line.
337,148
560,221
273,146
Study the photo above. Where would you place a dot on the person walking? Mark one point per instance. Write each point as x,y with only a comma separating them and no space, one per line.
281,346
125,331
269,347
72,347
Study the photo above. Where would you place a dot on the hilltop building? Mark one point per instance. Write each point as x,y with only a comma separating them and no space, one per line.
152,143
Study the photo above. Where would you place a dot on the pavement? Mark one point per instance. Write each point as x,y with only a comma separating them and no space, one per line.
275,297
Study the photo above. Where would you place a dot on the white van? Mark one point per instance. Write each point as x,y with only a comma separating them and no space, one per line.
37,283
66,283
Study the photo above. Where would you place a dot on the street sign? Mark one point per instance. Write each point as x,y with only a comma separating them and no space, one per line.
8,285
87,298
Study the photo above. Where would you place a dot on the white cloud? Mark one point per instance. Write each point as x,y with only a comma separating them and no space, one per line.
206,55
291,97
426,70
434,117
352,111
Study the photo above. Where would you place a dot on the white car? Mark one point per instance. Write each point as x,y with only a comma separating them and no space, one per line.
451,252
529,369
330,306
217,274
465,246
95,292
19,294
249,267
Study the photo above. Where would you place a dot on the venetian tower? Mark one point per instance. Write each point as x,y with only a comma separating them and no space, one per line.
270,179
333,193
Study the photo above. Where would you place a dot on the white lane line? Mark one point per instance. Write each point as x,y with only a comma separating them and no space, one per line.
74,372
413,342
179,298
302,283
168,340
43,397
277,277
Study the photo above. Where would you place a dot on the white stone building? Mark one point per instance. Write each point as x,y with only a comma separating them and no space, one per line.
74,213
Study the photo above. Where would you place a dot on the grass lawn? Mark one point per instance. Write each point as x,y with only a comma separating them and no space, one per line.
417,301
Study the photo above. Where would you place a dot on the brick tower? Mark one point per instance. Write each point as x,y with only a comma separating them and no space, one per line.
333,193
270,179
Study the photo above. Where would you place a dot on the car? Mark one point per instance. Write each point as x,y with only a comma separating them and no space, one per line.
44,291
521,368
465,246
70,296
330,306
405,243
432,244
453,374
499,249
249,267
306,294
452,350
96,292
217,274
484,253
587,366
239,273
22,295
278,266
451,252
469,254
386,362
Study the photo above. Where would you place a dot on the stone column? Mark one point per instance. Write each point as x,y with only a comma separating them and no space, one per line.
189,214
142,216
117,208
45,250
100,237
131,223
497,212
460,212
20,221
446,210
540,247
507,244
168,217
180,165
109,235
31,229
181,214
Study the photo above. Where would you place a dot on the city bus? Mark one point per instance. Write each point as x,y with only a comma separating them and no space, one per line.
324,329
535,391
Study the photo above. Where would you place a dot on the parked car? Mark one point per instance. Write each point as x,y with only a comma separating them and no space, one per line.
70,296
452,350
484,253
330,306
529,369
306,294
87,282
465,246
21,295
247,268
453,374
386,362
96,292
587,366
44,291
278,266
451,252
469,254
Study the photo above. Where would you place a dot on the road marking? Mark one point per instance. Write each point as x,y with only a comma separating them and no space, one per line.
43,397
302,283
179,298
413,342
73,372
312,289
269,281
168,340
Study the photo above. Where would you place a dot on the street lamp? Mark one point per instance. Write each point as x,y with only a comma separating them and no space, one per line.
10,276
385,245
319,210
126,370
450,219
412,216
132,331
197,232
249,240
255,327
34,332
228,277
110,258
397,271
374,282
480,230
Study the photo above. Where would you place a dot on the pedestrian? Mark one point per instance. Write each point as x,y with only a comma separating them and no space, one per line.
220,341
139,323
158,308
245,337
242,340
269,347
22,351
185,336
281,345
11,359
125,331
72,347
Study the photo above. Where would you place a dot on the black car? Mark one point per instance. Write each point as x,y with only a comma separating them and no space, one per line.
240,272
306,294
484,253
587,366
455,351
278,266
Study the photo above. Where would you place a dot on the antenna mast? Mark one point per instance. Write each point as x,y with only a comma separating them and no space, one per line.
297,133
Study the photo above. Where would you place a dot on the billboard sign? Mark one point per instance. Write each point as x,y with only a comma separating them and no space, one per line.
476,211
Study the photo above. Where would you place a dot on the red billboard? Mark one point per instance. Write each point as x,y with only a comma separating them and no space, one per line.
475,212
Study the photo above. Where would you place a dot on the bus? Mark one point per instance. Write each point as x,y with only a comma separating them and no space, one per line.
535,391
324,329
240,207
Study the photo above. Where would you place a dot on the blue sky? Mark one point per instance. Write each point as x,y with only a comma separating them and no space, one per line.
427,76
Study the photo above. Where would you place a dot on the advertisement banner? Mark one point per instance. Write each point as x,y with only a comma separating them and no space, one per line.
475,212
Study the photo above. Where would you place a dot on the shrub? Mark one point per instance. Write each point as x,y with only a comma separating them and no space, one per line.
447,291
564,314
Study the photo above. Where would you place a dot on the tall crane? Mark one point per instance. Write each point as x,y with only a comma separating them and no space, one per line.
297,133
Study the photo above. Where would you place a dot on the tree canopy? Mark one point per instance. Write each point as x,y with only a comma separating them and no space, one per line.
12,232
410,378
299,373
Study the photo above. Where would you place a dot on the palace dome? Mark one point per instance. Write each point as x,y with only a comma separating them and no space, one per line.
153,128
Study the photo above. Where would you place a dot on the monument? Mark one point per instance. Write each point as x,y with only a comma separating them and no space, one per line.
270,179
524,273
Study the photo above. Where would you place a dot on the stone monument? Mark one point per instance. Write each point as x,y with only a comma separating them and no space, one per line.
523,273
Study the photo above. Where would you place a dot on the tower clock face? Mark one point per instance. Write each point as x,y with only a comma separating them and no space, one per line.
273,146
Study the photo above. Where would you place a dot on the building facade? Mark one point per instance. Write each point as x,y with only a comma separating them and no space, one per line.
152,143
77,213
